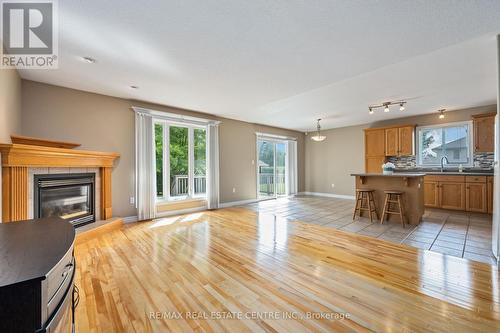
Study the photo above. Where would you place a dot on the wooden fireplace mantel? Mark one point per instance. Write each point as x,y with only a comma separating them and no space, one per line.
17,158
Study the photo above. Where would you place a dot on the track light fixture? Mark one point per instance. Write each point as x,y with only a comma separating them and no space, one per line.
441,113
386,105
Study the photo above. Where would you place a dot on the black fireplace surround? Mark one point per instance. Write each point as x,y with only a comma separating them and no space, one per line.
69,196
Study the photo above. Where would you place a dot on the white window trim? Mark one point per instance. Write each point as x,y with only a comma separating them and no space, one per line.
470,134
166,123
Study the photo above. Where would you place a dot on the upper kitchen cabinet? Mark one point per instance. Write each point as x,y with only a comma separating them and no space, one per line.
374,142
374,150
391,142
484,132
399,141
406,140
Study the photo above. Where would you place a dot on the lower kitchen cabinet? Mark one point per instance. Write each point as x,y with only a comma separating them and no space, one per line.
431,194
452,195
466,193
476,197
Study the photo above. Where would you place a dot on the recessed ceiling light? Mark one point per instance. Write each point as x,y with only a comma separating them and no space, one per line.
134,87
89,60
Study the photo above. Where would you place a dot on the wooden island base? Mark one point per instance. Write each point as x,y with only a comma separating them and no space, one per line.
411,184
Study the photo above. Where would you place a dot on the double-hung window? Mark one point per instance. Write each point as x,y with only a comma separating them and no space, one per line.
451,140
180,159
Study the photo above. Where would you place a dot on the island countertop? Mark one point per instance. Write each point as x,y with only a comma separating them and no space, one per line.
396,174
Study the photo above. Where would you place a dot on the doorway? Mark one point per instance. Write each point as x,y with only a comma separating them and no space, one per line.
272,166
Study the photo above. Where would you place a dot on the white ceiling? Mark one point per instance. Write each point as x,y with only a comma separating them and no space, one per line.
282,63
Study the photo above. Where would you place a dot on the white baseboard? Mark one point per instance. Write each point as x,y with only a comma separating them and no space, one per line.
241,202
130,219
330,195
181,211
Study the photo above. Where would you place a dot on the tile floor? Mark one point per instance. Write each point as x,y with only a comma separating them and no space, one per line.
457,234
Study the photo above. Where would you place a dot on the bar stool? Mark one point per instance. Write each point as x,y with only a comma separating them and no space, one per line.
365,196
393,205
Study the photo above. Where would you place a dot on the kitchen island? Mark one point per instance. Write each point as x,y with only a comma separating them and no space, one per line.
411,184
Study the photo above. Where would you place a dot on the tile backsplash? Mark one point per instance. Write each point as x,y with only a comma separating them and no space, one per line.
481,161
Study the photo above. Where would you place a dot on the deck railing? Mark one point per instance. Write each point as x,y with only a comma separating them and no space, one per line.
267,181
180,185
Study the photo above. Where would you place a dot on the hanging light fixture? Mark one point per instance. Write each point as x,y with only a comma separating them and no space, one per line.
318,137
441,113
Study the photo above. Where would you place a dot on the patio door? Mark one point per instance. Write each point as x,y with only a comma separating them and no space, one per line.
271,168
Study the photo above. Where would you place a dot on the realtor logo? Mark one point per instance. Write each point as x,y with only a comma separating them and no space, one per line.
29,34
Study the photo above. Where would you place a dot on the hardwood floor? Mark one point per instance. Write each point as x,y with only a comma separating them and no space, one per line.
233,262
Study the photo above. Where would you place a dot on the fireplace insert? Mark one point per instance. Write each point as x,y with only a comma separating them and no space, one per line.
69,196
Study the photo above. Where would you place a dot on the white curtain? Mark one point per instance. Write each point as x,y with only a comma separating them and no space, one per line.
213,166
145,175
292,167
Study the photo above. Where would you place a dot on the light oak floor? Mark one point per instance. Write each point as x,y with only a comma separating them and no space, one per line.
460,234
266,274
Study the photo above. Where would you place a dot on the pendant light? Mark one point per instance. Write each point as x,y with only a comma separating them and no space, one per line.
318,137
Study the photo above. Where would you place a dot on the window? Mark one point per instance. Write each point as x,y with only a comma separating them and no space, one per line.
453,140
180,161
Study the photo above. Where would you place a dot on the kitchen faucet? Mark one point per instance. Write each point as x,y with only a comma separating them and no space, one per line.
442,164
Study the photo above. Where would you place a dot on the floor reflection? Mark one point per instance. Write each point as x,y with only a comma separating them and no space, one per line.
272,233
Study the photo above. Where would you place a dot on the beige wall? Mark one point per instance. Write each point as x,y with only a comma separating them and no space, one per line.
342,153
106,123
333,160
10,104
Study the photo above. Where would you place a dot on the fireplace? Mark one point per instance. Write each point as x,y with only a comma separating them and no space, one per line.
69,196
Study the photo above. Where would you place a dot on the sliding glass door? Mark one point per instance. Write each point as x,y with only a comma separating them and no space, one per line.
271,168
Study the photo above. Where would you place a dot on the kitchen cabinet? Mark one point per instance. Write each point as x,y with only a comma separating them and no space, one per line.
374,143
431,194
484,132
399,141
452,195
391,142
489,193
476,197
406,140
387,141
374,164
374,150
467,193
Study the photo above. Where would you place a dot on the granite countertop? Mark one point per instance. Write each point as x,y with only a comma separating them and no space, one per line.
451,172
30,249
395,174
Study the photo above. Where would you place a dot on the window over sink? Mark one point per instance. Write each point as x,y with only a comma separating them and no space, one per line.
453,140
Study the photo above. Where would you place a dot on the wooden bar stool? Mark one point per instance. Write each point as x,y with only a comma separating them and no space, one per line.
393,205
365,196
